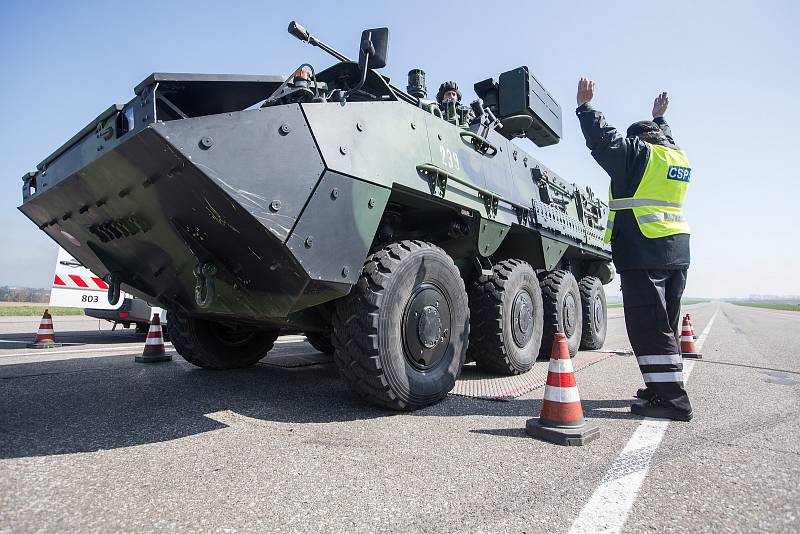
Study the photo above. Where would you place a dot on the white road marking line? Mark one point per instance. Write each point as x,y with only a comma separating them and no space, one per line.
290,339
42,353
609,505
124,348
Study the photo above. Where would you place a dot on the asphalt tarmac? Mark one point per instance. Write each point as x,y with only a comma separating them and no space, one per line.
91,441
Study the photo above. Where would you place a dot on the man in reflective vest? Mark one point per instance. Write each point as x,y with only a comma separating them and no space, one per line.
649,244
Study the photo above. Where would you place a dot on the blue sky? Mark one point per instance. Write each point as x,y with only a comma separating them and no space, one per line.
731,69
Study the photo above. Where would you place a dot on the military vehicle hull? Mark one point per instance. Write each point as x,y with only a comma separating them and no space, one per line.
286,202
384,231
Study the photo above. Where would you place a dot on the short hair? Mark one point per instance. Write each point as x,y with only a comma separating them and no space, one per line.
647,131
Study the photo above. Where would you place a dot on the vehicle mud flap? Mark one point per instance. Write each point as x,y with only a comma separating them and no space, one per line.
552,251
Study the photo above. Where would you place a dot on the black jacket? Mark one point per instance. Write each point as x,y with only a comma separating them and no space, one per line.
625,159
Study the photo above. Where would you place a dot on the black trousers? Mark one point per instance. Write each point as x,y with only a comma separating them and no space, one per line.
652,300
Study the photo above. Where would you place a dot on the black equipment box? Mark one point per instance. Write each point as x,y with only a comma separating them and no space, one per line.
522,94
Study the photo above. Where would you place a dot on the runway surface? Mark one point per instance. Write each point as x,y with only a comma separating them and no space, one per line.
90,440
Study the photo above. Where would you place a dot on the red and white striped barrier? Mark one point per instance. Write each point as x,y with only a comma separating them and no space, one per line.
561,420
80,282
154,344
45,336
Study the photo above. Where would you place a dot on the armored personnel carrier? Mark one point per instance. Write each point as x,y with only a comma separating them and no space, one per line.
403,236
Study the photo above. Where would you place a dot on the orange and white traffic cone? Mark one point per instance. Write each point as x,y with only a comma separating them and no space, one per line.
154,344
691,326
45,336
561,420
688,345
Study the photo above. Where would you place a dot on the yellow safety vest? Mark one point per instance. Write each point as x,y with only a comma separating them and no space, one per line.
657,203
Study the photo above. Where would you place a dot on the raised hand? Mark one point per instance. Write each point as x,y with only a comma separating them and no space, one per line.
586,91
660,105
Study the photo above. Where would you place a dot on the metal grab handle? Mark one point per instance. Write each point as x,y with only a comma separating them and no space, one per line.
204,289
479,143
113,287
436,171
439,177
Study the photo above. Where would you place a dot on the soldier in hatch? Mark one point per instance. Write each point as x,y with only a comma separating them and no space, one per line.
449,99
448,92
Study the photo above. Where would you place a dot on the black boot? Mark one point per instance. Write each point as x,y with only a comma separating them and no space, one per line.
661,409
644,393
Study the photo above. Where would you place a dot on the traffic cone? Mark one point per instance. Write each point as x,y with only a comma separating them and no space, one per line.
154,345
45,336
561,420
691,326
688,345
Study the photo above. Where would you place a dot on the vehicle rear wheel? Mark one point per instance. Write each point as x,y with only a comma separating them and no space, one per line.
216,345
506,319
595,316
402,333
321,342
562,311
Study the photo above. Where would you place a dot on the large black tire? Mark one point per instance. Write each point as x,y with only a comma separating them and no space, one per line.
402,333
562,311
506,319
595,313
214,345
321,342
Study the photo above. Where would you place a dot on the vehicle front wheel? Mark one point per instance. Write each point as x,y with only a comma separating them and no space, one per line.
402,333
217,345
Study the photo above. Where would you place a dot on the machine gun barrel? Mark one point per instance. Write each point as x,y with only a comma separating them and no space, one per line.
303,34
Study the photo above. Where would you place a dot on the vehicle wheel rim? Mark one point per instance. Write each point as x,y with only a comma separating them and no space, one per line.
598,314
569,314
522,318
426,327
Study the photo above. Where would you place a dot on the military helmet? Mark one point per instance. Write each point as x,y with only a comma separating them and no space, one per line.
447,86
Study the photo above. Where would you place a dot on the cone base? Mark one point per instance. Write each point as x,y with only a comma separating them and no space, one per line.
153,358
693,355
43,345
562,436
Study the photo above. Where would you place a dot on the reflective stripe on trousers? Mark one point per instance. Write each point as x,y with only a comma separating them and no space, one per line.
661,368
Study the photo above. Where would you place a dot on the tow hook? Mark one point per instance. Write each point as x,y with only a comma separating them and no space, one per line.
113,281
204,289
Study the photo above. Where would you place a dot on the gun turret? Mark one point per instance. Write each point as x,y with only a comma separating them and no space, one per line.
304,35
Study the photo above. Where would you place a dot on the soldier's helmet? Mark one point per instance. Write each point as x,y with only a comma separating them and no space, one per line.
447,86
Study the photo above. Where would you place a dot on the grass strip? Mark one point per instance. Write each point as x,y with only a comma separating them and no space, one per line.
37,310
771,305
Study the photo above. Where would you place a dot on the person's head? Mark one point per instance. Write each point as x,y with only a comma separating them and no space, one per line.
647,131
448,91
